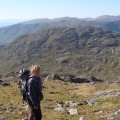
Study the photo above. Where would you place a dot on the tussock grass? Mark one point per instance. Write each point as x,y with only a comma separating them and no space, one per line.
60,91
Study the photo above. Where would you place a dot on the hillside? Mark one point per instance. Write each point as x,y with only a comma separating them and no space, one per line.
74,50
107,18
98,101
112,26
10,33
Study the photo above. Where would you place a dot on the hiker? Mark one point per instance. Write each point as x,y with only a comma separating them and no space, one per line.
35,92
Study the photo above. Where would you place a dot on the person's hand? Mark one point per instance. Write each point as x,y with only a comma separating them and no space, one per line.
36,106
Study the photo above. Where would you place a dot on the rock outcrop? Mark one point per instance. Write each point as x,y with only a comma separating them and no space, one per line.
4,82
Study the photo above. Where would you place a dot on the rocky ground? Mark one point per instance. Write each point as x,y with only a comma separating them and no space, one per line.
65,101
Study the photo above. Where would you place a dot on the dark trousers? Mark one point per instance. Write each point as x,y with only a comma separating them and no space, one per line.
37,113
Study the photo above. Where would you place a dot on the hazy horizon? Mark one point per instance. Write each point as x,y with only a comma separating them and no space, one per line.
34,9
15,19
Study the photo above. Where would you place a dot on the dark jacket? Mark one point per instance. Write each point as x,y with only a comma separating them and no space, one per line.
35,90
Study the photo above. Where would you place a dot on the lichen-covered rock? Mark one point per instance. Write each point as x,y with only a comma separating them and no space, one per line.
73,111
114,116
4,82
109,93
82,118
2,118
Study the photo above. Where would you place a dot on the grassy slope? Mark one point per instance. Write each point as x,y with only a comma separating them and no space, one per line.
87,50
58,91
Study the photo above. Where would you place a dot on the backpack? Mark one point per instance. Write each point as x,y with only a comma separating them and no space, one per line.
24,76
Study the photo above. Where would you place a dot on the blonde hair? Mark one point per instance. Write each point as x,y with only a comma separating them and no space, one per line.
35,70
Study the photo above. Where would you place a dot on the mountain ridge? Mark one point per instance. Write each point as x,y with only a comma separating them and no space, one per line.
10,33
66,46
77,50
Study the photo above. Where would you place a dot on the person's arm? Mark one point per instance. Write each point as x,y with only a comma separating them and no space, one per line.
40,85
40,89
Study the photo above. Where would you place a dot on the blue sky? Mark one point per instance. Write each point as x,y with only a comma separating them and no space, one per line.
30,9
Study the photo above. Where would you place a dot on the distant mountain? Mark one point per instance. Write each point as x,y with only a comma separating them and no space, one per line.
46,20
37,21
107,18
81,50
112,26
10,33
8,22
63,45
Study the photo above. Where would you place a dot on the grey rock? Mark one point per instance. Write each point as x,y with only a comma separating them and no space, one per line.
82,118
73,111
71,104
9,108
114,116
2,118
4,82
98,112
59,108
49,77
91,102
111,92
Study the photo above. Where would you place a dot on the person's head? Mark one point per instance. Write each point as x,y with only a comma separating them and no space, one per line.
35,70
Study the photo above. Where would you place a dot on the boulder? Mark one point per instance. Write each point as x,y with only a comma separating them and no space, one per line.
4,82
56,76
71,104
49,77
110,92
2,118
60,106
114,116
91,102
82,118
79,80
72,78
10,74
63,60
9,108
59,109
73,111
94,79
